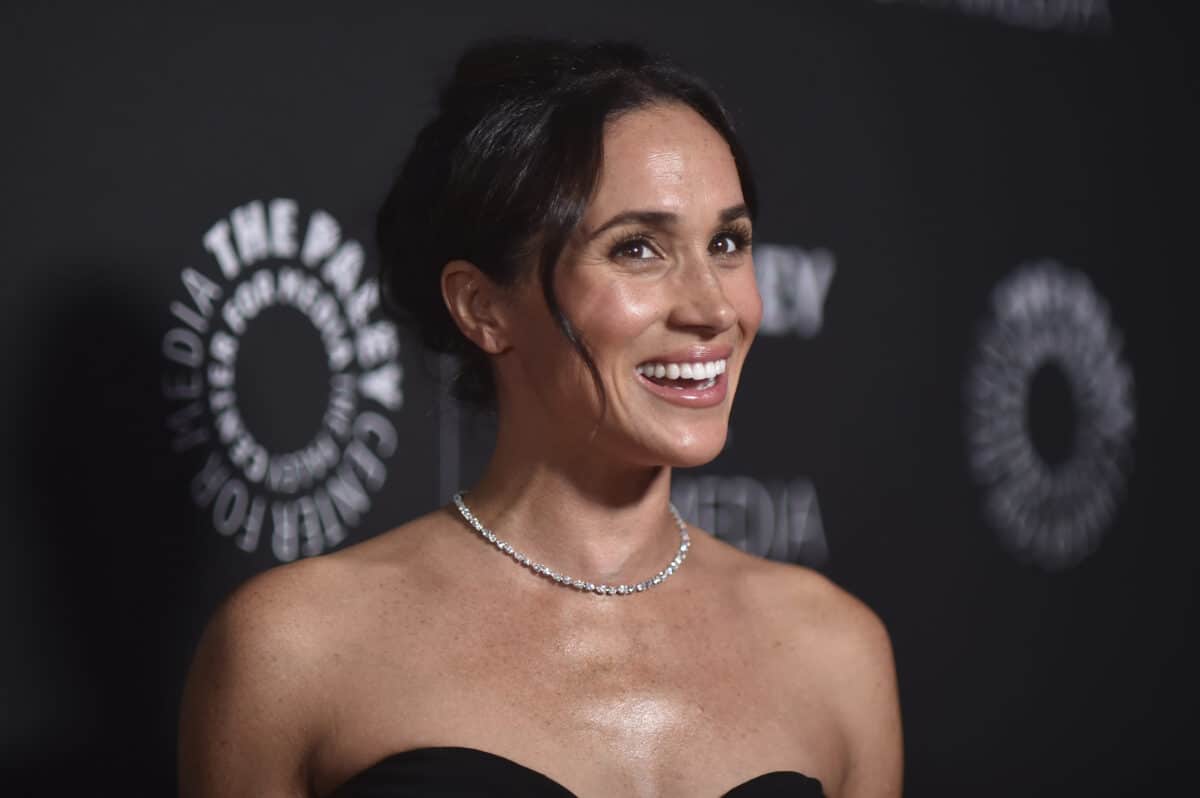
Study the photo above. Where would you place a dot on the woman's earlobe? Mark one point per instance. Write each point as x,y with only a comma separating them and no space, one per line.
473,300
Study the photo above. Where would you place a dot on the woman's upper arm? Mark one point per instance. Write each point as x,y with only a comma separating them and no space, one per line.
871,708
247,712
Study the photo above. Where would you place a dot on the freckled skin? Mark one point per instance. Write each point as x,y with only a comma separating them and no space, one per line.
424,635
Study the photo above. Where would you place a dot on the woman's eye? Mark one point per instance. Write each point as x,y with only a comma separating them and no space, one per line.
727,244
636,249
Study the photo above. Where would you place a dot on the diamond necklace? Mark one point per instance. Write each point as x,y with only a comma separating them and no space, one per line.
566,581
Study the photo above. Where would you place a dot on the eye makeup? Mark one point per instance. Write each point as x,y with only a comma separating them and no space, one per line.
738,232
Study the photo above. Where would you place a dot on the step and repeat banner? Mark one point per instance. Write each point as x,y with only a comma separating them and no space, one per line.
963,405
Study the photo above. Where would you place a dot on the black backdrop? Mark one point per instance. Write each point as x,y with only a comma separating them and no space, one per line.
913,158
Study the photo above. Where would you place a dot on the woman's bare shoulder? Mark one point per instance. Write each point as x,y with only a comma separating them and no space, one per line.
799,596
843,648
830,630
276,610
301,611
829,621
251,709
245,722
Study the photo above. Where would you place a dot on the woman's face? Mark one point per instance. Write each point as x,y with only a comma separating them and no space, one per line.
659,283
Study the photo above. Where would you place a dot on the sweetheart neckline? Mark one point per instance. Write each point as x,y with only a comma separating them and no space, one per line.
444,749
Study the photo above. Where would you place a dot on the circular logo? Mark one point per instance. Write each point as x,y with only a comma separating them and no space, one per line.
1048,321
270,260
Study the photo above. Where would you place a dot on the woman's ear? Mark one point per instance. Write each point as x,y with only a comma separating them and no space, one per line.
476,304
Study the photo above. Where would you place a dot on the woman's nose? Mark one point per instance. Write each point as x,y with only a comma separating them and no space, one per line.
700,300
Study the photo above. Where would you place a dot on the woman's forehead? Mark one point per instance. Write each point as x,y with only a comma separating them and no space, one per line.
664,157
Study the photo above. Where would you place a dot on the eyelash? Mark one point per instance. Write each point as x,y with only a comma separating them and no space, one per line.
739,234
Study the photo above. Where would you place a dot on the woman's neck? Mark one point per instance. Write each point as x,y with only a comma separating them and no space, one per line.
576,510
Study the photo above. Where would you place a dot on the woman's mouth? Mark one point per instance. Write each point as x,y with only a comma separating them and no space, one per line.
691,384
682,376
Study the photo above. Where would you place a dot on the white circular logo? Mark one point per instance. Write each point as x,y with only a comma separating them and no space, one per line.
1047,316
304,500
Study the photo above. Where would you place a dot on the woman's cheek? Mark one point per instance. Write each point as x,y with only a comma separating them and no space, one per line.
623,310
745,298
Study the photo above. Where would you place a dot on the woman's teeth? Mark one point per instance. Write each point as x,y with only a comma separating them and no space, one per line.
700,372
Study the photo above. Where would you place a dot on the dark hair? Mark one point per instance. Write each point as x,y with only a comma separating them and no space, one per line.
505,170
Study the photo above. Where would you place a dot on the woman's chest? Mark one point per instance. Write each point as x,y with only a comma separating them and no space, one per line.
590,704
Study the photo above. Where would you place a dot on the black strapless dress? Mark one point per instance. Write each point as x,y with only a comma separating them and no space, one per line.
456,772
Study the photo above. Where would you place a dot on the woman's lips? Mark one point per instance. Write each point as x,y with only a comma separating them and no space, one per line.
691,393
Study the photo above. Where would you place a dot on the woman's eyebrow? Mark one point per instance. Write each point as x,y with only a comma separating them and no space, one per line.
664,218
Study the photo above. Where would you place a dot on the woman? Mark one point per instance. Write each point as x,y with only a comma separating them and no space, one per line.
575,224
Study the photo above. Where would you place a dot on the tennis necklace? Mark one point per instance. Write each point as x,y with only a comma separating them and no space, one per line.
579,584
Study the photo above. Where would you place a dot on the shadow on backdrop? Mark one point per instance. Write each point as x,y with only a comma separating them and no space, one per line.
117,562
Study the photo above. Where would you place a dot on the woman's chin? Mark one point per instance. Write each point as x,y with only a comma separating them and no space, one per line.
673,445
690,452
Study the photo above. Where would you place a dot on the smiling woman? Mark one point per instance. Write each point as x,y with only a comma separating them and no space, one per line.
575,225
